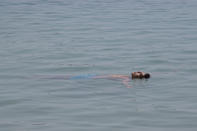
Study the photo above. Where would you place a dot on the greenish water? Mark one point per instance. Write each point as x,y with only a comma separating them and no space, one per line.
55,38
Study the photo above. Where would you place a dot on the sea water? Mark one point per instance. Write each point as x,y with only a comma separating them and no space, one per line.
80,37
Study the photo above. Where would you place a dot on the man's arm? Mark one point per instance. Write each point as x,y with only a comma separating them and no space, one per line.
126,82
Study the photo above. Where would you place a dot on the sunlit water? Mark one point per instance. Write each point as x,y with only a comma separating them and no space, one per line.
80,37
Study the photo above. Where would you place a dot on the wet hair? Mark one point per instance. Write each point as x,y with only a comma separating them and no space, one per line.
147,75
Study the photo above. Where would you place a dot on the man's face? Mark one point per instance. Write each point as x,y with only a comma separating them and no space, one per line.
138,74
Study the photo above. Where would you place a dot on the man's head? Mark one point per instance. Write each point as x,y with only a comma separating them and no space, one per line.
140,75
146,75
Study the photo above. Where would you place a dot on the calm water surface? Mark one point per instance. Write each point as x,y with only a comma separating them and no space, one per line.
80,37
